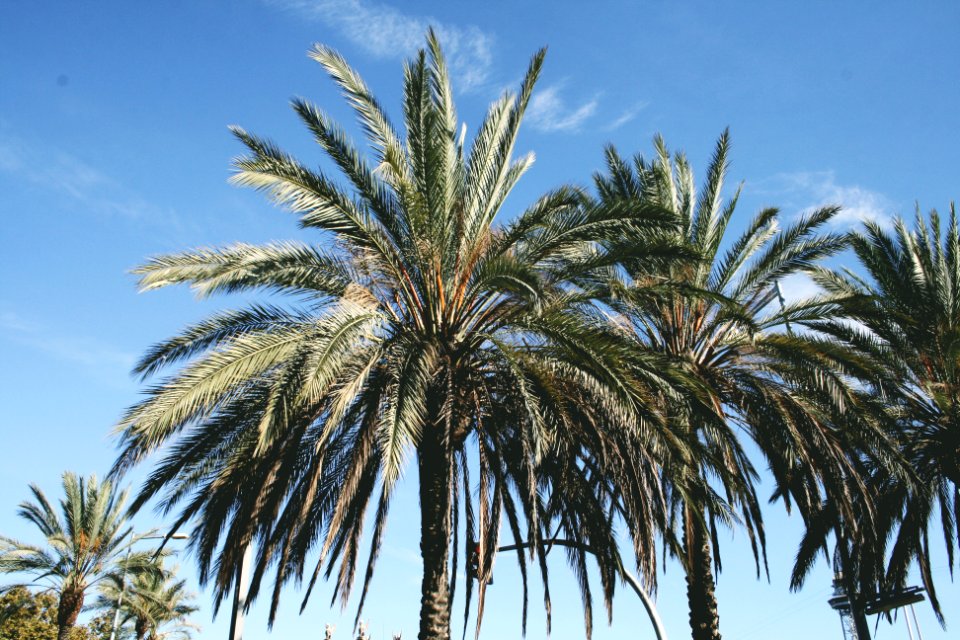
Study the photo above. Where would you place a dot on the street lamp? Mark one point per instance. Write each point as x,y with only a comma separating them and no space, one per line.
123,577
625,575
240,591
842,602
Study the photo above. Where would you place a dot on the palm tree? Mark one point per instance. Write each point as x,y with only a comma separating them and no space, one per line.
904,314
82,546
423,329
716,318
156,604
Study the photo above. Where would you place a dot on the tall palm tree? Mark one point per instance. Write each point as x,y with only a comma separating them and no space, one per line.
156,605
82,546
904,313
715,316
423,329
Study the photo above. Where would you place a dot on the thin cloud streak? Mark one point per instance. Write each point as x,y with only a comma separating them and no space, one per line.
55,171
549,112
386,32
628,115
799,286
89,353
807,190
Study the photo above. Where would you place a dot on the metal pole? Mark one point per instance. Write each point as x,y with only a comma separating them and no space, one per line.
857,613
916,623
123,587
123,577
906,618
631,580
783,303
627,577
240,595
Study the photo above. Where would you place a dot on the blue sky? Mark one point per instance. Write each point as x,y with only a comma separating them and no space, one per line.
114,147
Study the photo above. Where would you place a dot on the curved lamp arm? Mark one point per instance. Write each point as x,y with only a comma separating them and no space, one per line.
625,575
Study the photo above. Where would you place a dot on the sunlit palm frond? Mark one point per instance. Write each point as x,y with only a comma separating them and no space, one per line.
427,334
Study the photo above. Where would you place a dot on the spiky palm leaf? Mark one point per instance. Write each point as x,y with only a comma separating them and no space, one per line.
749,375
905,316
155,605
428,331
84,544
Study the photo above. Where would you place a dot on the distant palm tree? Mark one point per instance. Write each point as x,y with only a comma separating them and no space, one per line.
156,605
424,329
82,547
904,313
716,316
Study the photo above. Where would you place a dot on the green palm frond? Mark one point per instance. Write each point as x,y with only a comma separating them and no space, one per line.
902,320
284,267
427,334
154,605
713,316
86,541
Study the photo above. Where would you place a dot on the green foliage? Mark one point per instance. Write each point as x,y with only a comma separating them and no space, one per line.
593,362
748,373
82,544
101,626
152,605
903,314
418,328
26,615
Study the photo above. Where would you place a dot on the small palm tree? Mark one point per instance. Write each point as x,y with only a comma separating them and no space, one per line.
82,545
904,313
156,605
716,318
424,330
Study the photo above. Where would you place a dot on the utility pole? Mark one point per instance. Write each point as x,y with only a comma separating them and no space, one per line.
848,603
854,607
842,604
916,623
123,588
240,592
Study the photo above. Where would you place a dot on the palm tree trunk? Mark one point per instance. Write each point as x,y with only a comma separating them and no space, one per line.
71,603
701,597
142,628
434,466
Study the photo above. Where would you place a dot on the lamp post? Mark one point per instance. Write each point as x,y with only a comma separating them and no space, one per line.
123,578
625,575
240,592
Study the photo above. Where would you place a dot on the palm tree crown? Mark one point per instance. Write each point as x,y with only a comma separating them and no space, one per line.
424,329
156,605
715,316
82,545
906,317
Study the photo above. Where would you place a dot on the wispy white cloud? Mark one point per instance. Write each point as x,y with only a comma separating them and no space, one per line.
10,160
807,190
548,111
386,32
626,116
799,286
58,172
88,353
403,554
12,322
